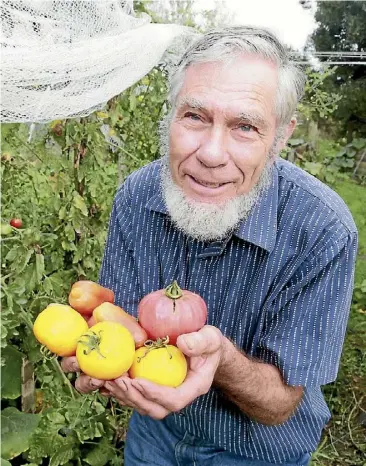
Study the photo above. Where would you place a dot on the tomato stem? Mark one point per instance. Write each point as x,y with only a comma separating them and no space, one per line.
92,342
151,345
173,291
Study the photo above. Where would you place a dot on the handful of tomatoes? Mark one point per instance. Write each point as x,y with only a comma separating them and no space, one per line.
108,342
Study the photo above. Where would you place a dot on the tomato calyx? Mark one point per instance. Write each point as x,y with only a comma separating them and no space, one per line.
173,292
92,342
155,344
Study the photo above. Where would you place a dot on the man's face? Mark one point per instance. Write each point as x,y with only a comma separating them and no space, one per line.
223,129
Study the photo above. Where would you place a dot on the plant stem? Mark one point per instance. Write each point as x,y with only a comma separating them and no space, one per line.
63,377
173,291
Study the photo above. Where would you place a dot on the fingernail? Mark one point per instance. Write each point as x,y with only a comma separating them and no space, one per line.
108,386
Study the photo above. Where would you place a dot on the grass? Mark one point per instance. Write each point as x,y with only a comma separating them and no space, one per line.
343,442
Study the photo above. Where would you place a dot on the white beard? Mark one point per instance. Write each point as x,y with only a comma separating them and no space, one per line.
206,221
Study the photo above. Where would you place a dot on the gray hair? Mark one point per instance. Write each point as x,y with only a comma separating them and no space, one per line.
221,45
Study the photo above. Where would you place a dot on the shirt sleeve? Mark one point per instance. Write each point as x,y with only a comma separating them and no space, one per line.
304,330
118,271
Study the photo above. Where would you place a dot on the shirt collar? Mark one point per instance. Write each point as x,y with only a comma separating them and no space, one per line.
260,228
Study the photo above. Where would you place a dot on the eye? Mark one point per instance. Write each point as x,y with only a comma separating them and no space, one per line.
246,128
192,116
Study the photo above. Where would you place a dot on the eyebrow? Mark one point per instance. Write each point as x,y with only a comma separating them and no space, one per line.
251,117
191,102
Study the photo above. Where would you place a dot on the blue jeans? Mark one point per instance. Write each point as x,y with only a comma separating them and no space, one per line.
151,442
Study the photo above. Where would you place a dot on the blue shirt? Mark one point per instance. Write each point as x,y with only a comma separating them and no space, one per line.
280,287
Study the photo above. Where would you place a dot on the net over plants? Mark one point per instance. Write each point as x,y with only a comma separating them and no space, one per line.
67,58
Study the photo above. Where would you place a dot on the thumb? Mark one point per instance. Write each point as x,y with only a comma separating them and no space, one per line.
207,340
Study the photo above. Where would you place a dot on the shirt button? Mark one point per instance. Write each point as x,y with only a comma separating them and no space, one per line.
181,413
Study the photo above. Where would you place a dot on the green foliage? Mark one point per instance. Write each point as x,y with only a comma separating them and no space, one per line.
343,440
16,430
11,373
342,27
61,183
317,102
330,162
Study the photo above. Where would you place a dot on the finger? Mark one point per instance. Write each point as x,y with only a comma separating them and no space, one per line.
86,384
70,364
196,384
123,389
207,340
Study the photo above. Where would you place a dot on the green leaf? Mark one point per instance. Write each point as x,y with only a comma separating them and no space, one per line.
63,455
79,203
351,152
11,373
359,143
56,418
16,430
12,254
39,267
62,213
295,142
69,232
100,455
27,257
342,152
5,463
313,168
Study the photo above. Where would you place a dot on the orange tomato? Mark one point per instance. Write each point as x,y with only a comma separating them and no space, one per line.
86,295
112,313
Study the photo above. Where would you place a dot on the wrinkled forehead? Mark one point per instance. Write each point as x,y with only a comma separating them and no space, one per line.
248,79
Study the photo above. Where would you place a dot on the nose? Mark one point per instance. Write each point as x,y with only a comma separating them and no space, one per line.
212,152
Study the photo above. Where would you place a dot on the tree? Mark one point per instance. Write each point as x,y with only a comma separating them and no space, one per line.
342,28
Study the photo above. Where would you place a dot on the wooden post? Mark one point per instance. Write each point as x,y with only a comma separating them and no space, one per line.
28,387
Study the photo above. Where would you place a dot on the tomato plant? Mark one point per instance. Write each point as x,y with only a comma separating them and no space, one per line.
159,362
105,351
61,177
171,312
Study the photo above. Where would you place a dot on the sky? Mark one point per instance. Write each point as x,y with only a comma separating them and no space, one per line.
286,18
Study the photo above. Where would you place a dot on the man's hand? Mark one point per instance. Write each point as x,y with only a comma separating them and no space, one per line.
84,383
204,350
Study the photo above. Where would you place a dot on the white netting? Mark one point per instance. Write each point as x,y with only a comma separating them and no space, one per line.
67,58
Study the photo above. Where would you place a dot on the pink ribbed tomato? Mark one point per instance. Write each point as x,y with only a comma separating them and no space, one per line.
170,312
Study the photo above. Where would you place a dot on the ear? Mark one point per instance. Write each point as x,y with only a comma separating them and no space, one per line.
288,130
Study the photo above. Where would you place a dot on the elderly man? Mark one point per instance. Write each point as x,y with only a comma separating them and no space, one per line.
269,248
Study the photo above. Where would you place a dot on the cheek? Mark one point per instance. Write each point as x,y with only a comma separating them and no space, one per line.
251,163
182,142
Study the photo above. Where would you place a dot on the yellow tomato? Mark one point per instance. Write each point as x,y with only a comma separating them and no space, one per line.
166,365
105,351
59,328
